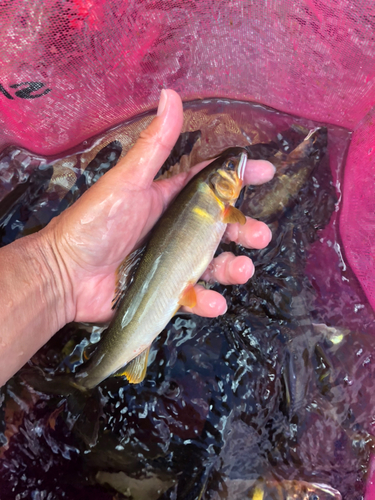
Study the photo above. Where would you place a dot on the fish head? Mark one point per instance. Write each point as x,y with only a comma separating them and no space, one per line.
227,177
303,490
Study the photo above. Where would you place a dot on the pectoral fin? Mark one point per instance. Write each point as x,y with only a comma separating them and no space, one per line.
232,215
258,493
135,371
125,273
188,297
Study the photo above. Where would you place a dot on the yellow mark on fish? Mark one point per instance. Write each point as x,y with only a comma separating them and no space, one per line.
202,213
258,494
220,203
336,339
205,188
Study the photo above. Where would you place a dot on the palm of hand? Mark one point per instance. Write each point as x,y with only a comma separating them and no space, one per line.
97,237
110,220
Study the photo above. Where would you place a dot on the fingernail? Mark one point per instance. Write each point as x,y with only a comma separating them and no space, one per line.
162,102
224,310
270,234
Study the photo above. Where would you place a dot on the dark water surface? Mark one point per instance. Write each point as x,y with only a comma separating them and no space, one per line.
281,387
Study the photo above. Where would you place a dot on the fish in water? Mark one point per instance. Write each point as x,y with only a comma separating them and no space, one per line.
65,187
293,170
181,246
73,175
293,490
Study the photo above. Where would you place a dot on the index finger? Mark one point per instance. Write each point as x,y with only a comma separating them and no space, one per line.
258,172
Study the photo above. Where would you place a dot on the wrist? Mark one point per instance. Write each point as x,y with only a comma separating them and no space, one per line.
34,300
45,277
57,278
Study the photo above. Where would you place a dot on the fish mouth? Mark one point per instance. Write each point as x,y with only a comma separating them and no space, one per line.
311,133
242,166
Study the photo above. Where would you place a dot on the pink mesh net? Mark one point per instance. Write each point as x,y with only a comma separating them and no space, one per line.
71,68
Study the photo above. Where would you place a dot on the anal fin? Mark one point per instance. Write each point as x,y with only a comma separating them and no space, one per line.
135,371
232,215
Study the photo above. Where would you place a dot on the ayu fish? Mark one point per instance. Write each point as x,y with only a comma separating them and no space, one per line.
293,170
293,490
181,246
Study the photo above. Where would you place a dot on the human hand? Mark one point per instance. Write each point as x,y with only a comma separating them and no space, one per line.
91,238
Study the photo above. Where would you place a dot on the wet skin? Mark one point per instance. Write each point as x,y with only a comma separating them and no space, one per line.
67,271
113,217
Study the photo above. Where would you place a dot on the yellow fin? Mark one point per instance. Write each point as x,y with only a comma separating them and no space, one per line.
135,371
188,297
258,493
232,214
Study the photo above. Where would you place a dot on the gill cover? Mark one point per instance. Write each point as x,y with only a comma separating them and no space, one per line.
226,181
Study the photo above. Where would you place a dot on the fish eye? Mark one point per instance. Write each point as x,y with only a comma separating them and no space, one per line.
314,496
173,390
231,165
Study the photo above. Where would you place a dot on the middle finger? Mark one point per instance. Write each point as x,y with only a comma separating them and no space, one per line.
253,234
228,269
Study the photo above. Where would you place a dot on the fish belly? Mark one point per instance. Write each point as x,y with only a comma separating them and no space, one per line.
182,262
177,271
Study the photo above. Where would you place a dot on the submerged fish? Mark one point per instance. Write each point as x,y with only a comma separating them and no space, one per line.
293,490
68,184
74,174
292,172
183,146
181,246
333,334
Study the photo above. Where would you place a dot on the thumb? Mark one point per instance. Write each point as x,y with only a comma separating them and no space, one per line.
154,144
